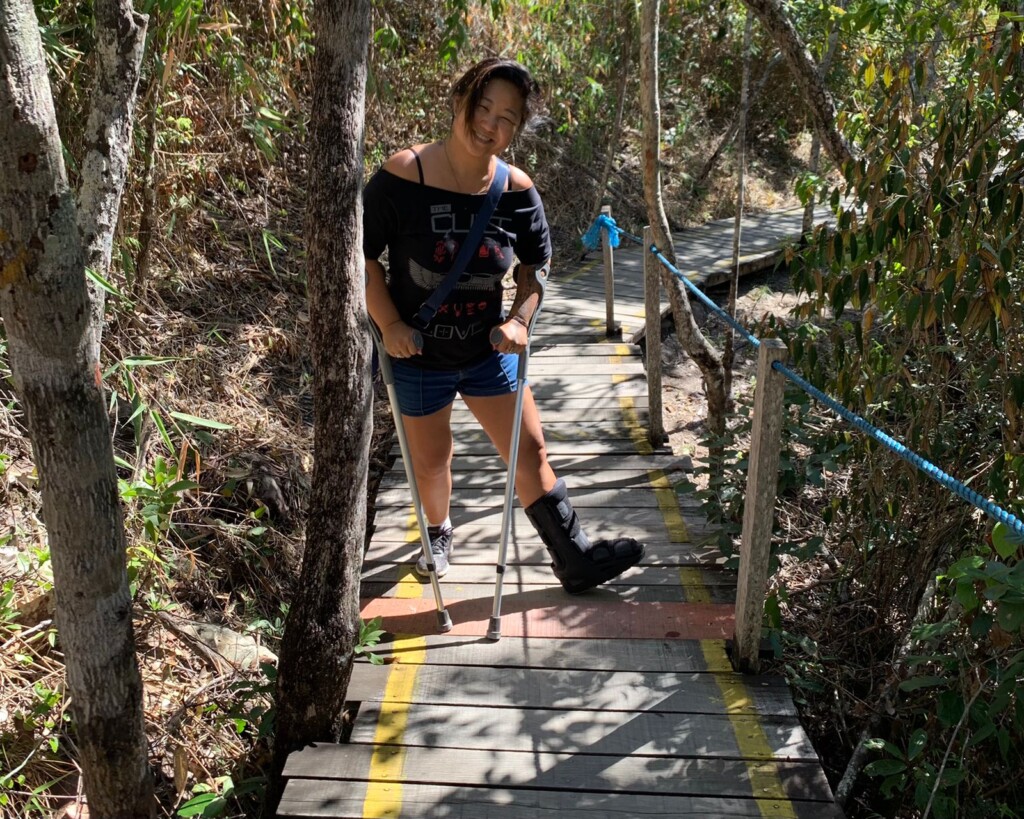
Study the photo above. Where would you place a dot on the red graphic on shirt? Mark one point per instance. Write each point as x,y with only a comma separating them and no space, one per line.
490,249
445,250
467,308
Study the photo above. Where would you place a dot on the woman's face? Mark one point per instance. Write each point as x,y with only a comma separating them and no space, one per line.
495,121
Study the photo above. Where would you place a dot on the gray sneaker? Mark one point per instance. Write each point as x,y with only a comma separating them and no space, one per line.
440,550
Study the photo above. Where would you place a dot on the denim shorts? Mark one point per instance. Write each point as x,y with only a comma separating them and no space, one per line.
424,392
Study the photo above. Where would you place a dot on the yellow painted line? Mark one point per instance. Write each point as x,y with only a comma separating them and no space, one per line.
384,790
769,794
409,586
584,268
412,528
693,584
632,422
669,505
622,354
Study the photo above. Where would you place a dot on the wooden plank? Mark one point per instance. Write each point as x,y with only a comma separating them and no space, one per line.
521,616
628,288
516,575
554,417
577,351
582,773
467,428
475,442
583,368
555,404
603,390
531,552
563,462
483,498
550,593
599,654
663,692
563,312
657,554
543,591
339,799
589,448
616,733
483,522
480,523
581,482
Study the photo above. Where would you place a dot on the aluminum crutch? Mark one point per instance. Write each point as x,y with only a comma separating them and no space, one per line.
444,621
494,626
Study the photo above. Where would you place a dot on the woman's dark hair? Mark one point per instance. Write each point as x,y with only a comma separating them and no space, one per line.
469,88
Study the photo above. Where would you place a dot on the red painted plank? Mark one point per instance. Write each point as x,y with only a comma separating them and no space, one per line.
524,616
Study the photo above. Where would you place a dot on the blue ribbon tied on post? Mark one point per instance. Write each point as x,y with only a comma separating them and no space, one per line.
592,238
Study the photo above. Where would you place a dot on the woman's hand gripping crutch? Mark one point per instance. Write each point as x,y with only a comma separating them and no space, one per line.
535,284
444,621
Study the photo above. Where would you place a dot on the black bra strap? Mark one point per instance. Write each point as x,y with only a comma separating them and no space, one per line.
419,165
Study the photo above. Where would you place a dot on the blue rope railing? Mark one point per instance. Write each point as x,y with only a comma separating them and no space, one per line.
607,224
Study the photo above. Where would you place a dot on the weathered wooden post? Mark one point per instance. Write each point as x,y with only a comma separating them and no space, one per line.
762,484
612,328
652,310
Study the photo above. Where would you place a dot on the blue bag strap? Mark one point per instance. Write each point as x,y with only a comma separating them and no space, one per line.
476,233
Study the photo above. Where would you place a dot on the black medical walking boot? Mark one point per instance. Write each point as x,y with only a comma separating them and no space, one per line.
577,563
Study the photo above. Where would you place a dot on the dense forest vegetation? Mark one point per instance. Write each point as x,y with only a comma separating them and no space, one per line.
898,609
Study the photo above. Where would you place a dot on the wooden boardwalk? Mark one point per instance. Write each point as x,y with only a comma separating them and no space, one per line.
620,702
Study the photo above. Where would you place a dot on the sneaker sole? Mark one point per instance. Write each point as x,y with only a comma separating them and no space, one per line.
441,573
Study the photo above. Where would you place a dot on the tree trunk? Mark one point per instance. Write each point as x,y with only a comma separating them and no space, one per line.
147,220
809,79
120,41
690,336
728,353
730,134
826,62
315,664
53,349
615,134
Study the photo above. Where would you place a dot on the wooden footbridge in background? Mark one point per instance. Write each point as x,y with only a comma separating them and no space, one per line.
618,703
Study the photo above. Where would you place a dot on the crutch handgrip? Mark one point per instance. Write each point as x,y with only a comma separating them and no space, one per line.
496,336
417,339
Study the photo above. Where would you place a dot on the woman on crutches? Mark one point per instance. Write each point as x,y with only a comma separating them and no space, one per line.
421,206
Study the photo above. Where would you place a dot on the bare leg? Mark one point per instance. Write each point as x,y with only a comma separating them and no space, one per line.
430,448
534,476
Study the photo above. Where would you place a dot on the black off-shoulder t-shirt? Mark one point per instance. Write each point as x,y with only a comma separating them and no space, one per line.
422,228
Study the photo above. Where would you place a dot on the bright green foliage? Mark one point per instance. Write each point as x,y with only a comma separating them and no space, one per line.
923,275
369,636
961,699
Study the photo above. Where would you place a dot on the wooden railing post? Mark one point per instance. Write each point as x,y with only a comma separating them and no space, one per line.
612,328
652,334
759,509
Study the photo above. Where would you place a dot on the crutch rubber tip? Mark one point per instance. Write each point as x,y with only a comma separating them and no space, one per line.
494,629
444,621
